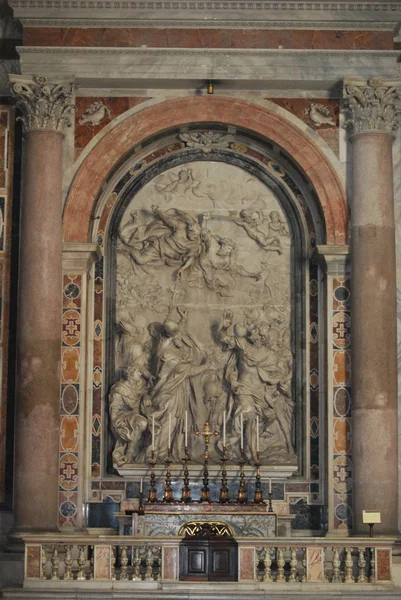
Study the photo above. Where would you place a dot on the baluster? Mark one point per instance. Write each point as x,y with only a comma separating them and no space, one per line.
361,565
44,561
336,566
136,562
81,560
304,577
124,563
267,562
149,565
68,563
280,565
348,566
55,562
293,565
113,563
372,578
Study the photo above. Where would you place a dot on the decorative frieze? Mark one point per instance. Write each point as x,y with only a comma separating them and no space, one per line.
43,105
372,105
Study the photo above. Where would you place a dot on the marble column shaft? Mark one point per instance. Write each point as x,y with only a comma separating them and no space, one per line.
374,325
37,422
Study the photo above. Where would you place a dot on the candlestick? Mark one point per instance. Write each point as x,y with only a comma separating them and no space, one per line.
224,488
186,491
152,488
242,431
270,485
169,432
153,432
168,495
258,498
224,430
207,433
257,433
270,507
242,495
186,429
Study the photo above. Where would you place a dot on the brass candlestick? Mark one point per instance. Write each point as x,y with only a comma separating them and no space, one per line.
205,491
270,505
258,499
242,497
224,489
152,489
141,510
168,491
186,492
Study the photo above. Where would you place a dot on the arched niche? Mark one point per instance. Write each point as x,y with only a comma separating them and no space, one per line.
285,189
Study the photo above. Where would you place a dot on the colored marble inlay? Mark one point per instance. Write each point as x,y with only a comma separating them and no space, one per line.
383,565
33,561
69,400
102,562
314,564
151,37
342,424
314,373
170,562
97,380
246,564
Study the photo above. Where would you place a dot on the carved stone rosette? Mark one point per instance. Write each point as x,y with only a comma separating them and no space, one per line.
43,105
372,105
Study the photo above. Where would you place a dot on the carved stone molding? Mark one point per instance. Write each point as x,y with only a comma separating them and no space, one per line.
372,105
43,105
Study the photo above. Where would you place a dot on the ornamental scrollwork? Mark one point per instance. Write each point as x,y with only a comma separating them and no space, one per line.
43,105
374,105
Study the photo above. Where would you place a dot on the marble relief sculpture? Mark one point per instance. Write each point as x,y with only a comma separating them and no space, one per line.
203,307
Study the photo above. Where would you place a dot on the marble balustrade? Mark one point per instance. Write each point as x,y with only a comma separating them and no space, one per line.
113,561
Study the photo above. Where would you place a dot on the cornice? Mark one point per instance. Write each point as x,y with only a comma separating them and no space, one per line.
257,52
242,5
266,14
345,25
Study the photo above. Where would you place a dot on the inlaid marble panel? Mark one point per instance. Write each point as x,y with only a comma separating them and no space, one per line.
170,562
246,564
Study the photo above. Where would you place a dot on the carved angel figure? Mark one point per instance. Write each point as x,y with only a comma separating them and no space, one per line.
251,221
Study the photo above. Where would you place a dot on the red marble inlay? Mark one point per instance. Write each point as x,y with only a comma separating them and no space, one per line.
383,566
208,38
247,564
85,130
33,562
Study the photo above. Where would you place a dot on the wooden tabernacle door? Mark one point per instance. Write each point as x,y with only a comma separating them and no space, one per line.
208,553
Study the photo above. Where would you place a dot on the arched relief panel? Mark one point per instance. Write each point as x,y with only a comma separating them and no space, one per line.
294,197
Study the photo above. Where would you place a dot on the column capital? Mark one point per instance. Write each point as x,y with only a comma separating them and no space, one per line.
372,105
44,106
333,259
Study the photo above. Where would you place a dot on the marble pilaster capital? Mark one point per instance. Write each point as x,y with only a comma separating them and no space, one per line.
80,257
372,105
333,259
44,106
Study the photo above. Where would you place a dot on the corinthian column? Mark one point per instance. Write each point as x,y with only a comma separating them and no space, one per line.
373,108
44,109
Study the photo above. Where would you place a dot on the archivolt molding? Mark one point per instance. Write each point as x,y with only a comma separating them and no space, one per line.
265,119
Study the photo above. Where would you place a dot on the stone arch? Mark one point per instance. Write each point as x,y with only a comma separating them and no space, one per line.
267,121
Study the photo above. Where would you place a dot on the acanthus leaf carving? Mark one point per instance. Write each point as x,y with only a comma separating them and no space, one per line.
206,140
43,105
374,105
